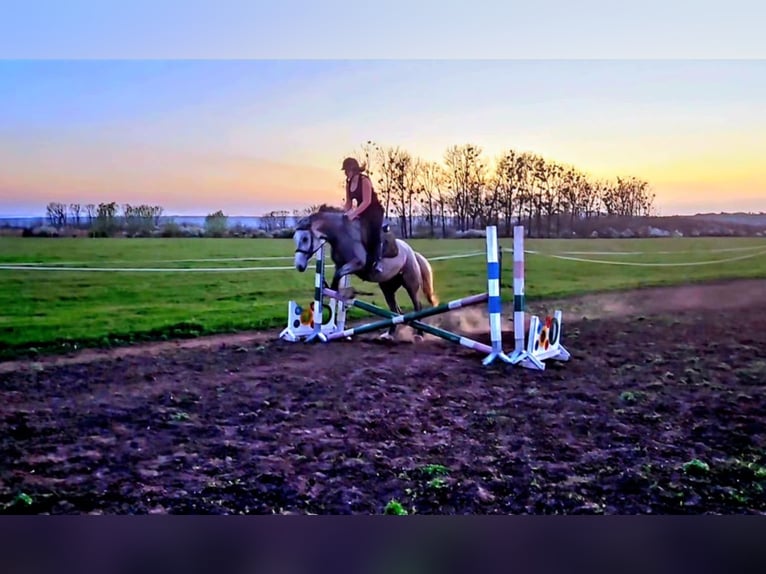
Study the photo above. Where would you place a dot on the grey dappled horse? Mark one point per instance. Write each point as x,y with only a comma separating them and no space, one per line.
402,265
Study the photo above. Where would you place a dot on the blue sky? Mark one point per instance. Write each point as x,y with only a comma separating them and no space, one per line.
334,29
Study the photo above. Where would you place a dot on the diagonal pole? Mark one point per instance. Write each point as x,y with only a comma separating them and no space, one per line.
411,319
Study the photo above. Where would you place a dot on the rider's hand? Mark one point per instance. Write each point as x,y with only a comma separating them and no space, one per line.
351,214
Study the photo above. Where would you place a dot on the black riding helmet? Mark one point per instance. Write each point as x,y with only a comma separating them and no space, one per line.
350,163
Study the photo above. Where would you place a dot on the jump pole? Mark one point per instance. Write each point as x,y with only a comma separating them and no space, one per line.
495,304
411,319
520,356
544,338
318,300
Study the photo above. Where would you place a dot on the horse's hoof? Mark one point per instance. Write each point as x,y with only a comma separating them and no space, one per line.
386,337
418,338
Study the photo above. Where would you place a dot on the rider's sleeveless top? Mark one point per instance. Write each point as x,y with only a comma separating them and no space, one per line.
357,193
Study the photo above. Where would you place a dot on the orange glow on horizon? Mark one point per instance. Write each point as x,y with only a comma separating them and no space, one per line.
186,182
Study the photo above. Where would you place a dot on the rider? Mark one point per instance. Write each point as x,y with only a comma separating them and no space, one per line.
368,209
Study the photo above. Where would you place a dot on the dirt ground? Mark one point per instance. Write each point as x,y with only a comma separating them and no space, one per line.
662,409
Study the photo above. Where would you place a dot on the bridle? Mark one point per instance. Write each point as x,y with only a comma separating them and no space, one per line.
311,250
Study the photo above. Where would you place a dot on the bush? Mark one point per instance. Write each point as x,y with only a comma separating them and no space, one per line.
172,229
285,233
240,230
471,234
42,231
216,224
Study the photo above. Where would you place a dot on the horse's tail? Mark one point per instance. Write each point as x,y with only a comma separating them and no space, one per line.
427,278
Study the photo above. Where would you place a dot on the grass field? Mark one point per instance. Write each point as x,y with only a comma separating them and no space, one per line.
61,309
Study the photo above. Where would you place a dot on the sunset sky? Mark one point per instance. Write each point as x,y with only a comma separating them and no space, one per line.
250,136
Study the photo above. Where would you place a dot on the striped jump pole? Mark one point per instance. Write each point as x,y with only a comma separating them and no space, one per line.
318,292
520,356
412,320
495,303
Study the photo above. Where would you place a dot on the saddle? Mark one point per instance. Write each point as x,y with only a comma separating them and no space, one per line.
390,248
387,238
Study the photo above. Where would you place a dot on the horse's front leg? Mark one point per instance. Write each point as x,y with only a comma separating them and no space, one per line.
335,279
340,272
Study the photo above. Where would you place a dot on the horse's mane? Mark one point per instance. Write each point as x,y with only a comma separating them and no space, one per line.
324,208
319,212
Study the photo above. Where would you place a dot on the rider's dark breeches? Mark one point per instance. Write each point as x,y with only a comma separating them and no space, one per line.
372,217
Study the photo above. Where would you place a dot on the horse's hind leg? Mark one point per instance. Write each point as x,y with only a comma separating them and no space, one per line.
412,286
389,292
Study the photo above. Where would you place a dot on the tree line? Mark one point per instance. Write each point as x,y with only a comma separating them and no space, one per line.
105,218
471,190
465,190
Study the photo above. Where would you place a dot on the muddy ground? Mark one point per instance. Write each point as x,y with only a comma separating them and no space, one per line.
662,409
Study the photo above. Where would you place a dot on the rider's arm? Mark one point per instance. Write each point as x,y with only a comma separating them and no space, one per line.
347,206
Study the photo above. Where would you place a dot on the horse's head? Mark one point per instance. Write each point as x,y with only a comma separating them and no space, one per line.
307,242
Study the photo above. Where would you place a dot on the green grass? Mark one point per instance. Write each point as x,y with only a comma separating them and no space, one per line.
50,310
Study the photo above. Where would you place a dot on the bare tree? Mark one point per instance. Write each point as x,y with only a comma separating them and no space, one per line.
430,184
141,220
401,166
56,214
588,197
106,219
570,197
633,197
75,209
466,178
156,213
538,173
607,191
552,180
455,181
527,182
393,164
368,155
90,209
411,177
508,180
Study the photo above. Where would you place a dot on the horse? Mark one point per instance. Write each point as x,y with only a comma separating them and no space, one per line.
402,266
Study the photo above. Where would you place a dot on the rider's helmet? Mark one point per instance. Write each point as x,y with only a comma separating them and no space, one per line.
350,164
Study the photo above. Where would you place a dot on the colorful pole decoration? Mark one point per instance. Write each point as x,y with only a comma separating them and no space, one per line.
303,323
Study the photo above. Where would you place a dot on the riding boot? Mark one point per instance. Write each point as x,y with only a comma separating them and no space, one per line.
378,261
